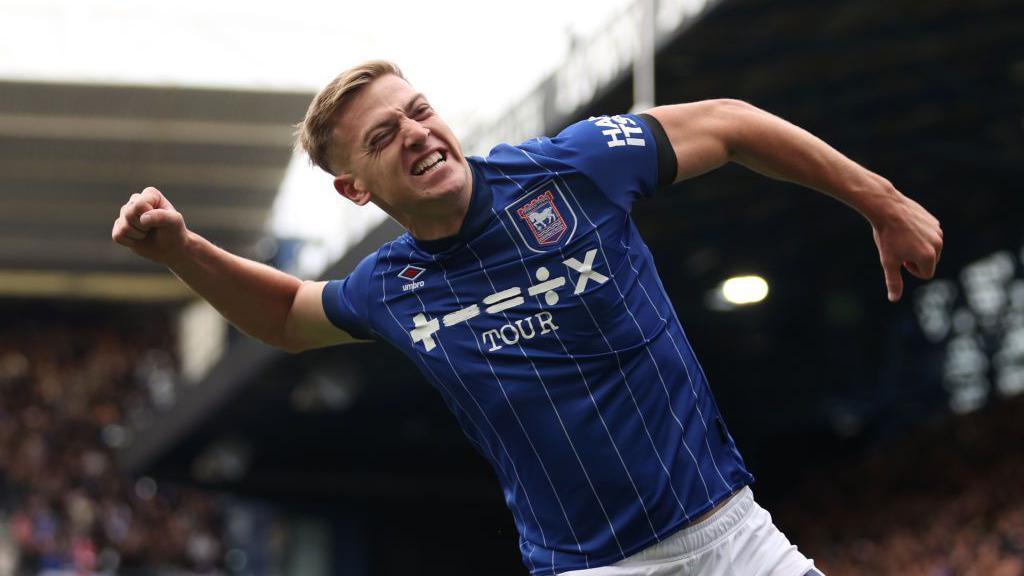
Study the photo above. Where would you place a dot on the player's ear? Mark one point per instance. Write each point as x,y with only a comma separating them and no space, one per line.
352,188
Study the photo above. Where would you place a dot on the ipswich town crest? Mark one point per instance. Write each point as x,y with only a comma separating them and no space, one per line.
543,217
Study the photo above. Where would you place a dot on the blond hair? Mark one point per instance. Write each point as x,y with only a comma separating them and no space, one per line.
313,134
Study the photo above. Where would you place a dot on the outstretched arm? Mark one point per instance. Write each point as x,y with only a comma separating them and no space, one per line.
265,303
706,135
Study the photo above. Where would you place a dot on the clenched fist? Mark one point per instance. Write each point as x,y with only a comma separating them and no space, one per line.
151,227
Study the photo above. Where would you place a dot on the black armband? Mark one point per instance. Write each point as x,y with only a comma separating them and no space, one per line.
667,165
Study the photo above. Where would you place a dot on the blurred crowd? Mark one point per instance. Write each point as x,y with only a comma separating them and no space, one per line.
946,500
70,386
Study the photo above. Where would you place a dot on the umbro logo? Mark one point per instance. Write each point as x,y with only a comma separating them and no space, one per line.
411,273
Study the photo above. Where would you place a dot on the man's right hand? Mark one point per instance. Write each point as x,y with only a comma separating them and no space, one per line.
150,226
265,303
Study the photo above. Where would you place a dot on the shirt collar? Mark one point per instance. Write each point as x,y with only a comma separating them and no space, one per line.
477,216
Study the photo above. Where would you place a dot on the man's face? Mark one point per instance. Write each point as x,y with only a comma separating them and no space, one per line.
398,152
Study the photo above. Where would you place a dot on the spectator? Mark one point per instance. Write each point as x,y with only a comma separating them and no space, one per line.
948,500
66,387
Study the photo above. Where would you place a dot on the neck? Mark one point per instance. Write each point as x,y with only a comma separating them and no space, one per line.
443,219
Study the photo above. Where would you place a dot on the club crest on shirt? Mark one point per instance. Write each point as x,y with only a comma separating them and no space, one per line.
543,217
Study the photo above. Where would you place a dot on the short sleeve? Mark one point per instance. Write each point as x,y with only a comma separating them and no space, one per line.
626,156
346,301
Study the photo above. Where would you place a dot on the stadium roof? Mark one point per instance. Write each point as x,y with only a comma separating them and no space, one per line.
99,98
71,154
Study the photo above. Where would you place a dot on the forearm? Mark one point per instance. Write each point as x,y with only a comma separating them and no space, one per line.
707,134
254,297
776,148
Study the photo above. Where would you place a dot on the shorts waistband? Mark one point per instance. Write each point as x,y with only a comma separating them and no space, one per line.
697,537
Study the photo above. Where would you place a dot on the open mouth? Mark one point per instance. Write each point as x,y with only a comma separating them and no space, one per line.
432,162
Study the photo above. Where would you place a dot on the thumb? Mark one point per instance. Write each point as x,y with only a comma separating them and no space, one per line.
893,279
161,218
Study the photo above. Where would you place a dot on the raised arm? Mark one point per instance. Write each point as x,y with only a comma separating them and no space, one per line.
706,135
265,303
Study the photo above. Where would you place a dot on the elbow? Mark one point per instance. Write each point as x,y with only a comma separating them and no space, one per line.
290,342
729,110
289,336
291,347
735,121
725,106
282,342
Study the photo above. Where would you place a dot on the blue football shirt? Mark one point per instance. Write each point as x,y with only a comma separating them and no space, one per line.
546,329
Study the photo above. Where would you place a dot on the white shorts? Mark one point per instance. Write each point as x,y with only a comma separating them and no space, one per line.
737,540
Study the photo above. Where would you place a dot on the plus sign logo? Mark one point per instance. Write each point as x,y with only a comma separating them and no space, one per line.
423,331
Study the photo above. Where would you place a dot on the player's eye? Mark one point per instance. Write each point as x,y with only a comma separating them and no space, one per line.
379,141
424,111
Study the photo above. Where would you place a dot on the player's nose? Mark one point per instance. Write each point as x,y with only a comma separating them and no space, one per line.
414,133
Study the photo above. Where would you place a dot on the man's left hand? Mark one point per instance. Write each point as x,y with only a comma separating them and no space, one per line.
906,236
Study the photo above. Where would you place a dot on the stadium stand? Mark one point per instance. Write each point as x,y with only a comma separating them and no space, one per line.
946,499
70,381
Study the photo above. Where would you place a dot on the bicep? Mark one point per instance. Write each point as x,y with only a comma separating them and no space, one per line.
698,132
307,325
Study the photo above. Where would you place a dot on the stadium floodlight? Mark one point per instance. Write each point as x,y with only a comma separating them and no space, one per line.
736,292
741,290
744,289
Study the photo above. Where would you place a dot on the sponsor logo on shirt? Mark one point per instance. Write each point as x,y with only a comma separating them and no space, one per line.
620,130
411,273
513,331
